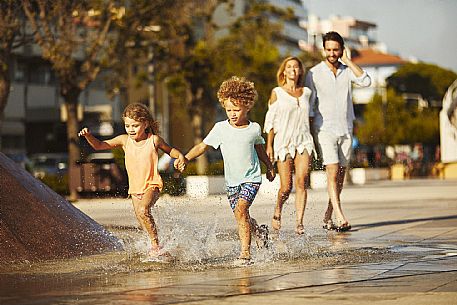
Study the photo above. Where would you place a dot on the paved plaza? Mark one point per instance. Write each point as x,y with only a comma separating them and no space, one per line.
402,249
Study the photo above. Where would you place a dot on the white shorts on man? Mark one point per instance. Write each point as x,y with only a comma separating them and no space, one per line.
333,148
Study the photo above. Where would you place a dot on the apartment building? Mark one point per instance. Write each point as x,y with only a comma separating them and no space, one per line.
356,33
34,116
292,35
34,110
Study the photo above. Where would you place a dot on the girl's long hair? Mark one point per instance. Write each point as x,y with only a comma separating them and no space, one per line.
139,112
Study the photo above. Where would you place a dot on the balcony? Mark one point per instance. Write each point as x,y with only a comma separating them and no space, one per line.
299,9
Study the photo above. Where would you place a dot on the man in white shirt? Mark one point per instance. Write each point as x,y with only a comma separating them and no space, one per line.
332,115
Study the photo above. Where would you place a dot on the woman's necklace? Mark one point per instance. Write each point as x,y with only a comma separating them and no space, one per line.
293,94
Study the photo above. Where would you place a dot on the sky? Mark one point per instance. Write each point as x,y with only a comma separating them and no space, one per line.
421,29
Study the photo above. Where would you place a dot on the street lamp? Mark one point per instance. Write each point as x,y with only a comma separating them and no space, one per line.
151,79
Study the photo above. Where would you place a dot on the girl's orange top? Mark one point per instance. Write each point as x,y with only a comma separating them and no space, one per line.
141,164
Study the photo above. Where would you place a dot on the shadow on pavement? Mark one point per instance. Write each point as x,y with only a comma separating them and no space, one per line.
403,221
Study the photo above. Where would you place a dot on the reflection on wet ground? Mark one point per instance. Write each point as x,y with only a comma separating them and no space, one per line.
395,246
127,269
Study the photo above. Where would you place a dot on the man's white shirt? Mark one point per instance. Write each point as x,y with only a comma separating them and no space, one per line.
331,98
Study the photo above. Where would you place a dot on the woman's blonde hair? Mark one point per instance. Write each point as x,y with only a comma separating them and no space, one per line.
139,112
239,90
280,74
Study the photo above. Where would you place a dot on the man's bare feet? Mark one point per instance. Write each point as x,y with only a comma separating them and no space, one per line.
343,227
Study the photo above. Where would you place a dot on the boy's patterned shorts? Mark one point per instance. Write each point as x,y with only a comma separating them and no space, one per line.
246,191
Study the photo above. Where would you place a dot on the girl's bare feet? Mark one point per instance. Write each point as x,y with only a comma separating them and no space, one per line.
329,225
299,229
276,223
158,253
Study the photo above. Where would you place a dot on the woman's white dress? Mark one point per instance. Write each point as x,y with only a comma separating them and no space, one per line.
288,116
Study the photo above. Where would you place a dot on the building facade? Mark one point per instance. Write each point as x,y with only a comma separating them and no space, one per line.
34,118
292,35
357,34
365,50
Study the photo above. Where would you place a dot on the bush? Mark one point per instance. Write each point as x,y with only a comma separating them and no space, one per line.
173,184
214,169
57,183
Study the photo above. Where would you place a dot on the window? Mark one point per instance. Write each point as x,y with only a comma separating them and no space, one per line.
41,74
19,71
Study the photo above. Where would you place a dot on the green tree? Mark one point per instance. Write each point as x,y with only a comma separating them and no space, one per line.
12,36
148,33
429,80
389,121
251,37
372,129
191,64
74,38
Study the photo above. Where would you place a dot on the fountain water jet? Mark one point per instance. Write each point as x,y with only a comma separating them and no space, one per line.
38,224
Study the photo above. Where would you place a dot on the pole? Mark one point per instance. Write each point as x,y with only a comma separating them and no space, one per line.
151,81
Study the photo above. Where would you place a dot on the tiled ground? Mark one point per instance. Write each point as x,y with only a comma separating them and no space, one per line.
402,250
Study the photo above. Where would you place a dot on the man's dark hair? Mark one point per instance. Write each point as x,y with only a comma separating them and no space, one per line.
334,36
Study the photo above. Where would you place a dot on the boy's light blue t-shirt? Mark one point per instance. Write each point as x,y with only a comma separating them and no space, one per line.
241,163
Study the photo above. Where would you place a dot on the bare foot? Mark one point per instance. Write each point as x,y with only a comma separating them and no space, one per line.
276,223
242,261
158,253
343,227
329,225
299,229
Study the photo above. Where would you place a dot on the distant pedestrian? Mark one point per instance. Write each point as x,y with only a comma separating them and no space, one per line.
290,142
141,144
331,84
242,146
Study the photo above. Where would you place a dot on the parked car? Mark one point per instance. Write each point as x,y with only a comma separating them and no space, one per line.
99,174
49,164
20,158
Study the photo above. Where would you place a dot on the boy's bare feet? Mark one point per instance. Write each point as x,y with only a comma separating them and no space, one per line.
261,236
243,261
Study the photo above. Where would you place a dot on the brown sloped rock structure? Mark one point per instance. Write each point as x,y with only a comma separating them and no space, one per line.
38,224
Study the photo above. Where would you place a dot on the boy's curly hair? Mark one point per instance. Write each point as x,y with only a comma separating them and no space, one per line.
140,113
239,90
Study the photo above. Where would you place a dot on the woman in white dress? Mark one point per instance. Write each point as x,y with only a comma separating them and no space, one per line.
289,141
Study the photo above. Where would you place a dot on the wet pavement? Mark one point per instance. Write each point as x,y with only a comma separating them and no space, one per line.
402,249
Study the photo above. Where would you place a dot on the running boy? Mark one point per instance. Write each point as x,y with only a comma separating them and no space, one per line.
141,144
242,146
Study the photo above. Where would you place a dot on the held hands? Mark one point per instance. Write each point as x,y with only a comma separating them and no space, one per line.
180,163
271,173
270,153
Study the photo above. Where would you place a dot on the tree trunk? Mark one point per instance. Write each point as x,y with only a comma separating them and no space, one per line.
202,161
74,151
5,83
196,118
